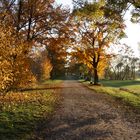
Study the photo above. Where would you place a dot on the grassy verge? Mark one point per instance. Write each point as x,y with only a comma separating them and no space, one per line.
22,112
127,97
131,85
52,82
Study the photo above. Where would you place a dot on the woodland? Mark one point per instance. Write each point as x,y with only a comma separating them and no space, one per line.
41,41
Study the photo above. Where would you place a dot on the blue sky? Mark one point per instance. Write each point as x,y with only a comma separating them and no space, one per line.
132,30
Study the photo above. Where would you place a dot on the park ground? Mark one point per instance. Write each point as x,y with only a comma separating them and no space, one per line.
72,110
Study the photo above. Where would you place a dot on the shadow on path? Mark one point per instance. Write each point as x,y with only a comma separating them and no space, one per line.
81,127
86,115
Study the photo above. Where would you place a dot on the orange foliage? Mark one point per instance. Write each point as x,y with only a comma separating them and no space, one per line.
46,66
14,66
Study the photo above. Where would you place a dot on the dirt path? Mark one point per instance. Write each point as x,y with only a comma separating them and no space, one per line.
85,115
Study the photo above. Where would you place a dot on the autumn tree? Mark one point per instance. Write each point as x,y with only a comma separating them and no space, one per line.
57,53
96,32
35,23
41,65
14,66
34,19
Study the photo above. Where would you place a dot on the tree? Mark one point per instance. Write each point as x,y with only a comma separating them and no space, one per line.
122,6
34,24
123,65
96,32
14,63
57,53
41,65
35,20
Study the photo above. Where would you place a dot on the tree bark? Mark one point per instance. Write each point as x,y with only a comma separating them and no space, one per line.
96,78
95,65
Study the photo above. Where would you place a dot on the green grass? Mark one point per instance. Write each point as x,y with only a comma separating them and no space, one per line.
133,88
120,83
132,85
52,82
113,88
21,112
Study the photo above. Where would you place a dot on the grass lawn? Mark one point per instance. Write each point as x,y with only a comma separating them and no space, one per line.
120,83
22,112
113,88
132,85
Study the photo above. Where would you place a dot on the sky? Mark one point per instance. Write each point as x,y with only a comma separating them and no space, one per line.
65,2
133,33
132,30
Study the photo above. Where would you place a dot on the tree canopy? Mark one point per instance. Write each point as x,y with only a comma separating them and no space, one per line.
36,36
96,32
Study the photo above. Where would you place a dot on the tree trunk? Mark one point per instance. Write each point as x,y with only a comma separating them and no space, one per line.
96,78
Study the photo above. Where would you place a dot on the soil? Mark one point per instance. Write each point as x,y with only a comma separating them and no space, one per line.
86,115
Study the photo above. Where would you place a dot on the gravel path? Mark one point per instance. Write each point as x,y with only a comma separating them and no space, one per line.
85,115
